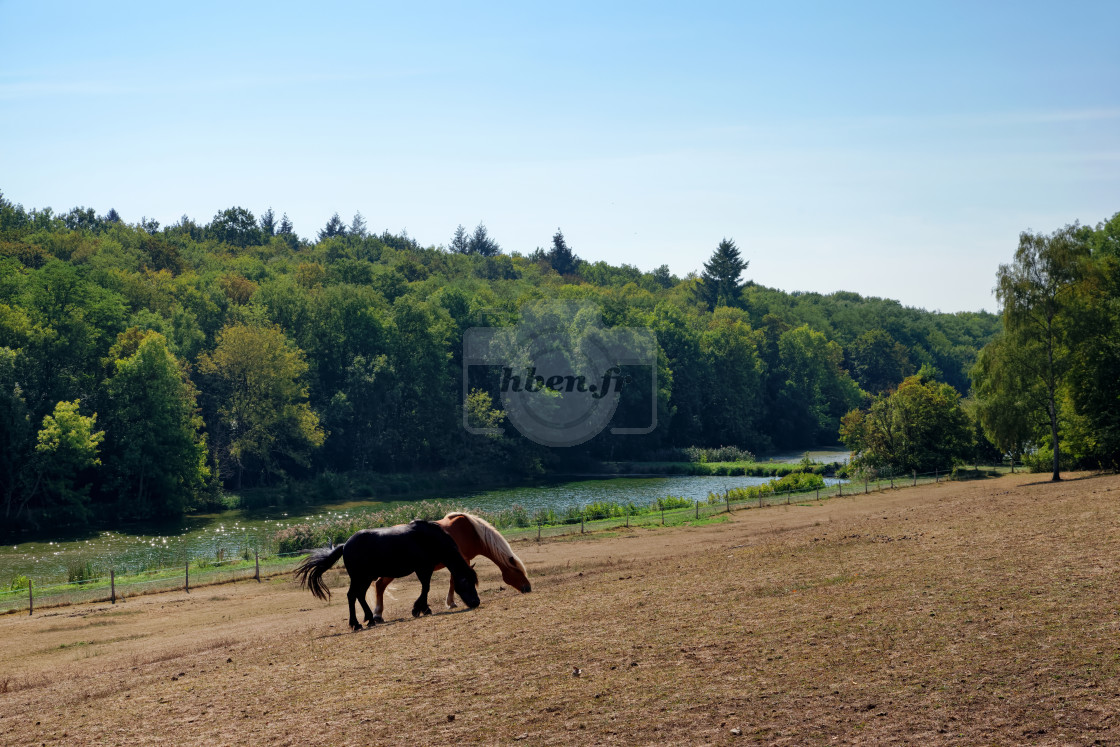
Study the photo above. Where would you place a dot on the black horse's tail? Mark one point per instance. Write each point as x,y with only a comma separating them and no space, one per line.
310,572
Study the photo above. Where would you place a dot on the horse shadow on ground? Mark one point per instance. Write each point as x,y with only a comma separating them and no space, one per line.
387,623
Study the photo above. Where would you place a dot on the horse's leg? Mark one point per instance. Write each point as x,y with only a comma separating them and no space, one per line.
451,594
351,597
379,596
421,605
371,619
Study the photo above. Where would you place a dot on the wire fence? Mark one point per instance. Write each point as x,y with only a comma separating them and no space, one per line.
192,574
202,572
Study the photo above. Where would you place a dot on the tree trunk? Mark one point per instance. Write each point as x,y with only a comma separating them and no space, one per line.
1052,404
1054,436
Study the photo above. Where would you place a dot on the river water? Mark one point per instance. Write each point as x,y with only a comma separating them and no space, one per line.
233,533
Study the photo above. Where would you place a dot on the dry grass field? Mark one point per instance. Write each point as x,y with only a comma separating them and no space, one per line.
985,612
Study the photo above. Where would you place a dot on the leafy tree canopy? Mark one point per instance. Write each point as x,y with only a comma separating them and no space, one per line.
919,427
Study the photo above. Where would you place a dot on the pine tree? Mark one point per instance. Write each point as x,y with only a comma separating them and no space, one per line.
334,227
719,283
268,223
287,232
481,243
560,257
358,226
460,242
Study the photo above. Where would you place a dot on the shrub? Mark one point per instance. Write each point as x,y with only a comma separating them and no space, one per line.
796,482
670,502
515,516
545,516
80,570
572,515
602,510
728,454
698,455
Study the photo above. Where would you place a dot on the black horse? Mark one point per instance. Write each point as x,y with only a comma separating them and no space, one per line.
394,551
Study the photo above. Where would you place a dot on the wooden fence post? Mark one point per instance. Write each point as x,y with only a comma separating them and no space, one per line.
727,497
698,508
865,486
187,578
30,599
112,586
581,522
915,478
257,561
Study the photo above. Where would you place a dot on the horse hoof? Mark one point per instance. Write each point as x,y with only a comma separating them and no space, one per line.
371,623
416,613
451,605
378,619
427,610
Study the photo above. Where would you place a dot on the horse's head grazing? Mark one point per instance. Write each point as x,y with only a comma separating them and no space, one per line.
466,586
513,573
481,538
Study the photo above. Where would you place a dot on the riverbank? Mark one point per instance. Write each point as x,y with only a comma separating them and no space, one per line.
57,568
332,489
210,538
142,564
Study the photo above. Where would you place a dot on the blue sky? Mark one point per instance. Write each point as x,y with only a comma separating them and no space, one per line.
893,149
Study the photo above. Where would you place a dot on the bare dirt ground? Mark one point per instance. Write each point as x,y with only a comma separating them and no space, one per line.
983,612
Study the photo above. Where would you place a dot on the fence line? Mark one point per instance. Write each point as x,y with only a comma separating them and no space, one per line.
192,575
208,573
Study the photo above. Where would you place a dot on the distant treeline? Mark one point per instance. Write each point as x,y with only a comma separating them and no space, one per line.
145,369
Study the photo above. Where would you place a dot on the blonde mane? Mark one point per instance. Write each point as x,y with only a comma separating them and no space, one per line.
500,550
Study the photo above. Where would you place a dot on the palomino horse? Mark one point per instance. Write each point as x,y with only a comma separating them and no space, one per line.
419,547
475,536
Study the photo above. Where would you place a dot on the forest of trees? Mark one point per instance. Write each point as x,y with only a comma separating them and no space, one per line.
146,369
